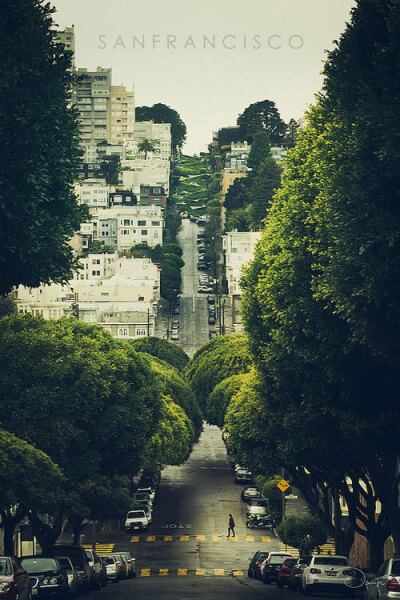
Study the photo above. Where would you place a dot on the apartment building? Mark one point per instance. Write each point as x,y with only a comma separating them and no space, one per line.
93,192
67,38
125,226
122,119
145,173
159,134
92,97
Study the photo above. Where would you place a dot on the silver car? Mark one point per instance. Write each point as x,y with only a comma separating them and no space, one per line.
72,575
386,583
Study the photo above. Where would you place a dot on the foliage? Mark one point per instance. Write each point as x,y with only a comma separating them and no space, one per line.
161,113
262,116
292,133
304,533
7,306
266,181
39,211
215,361
162,349
97,247
109,167
219,399
238,194
146,146
260,150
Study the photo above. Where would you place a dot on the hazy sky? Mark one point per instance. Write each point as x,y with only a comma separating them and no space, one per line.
209,59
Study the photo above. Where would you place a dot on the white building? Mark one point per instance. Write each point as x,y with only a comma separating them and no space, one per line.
239,247
125,226
93,192
149,172
278,153
159,134
122,121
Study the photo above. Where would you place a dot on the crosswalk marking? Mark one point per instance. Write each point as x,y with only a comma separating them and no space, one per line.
233,538
266,538
182,571
145,572
135,539
219,572
249,538
163,572
325,548
184,538
151,538
216,538
201,538
101,548
237,573
168,538
200,571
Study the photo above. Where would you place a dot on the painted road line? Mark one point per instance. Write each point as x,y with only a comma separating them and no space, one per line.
135,539
216,538
163,572
237,573
151,538
249,538
201,538
145,572
200,571
182,571
184,538
168,538
232,539
219,572
266,538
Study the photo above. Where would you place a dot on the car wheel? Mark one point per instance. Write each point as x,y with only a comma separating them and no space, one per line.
279,584
348,593
250,573
307,590
265,580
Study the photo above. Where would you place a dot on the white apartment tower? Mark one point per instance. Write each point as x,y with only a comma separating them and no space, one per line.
92,97
67,38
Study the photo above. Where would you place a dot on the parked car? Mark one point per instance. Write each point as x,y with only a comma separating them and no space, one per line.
72,575
255,564
211,320
327,573
121,564
249,493
48,579
211,300
257,510
212,334
80,562
150,478
175,335
243,476
386,583
143,505
136,520
14,580
149,490
296,572
272,564
176,310
131,562
111,567
98,572
284,572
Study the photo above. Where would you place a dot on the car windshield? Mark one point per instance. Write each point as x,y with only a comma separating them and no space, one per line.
108,560
39,565
136,514
277,560
396,567
89,554
64,562
331,560
5,566
305,560
289,562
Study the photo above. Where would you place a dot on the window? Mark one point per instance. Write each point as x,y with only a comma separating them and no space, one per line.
123,331
140,332
141,223
127,222
144,232
124,231
155,223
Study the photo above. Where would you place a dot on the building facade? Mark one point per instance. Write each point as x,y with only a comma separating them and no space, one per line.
122,118
92,97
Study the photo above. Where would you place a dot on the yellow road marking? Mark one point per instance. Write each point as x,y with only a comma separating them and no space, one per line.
233,539
237,573
219,571
145,572
184,538
216,538
201,538
163,572
200,571
168,538
266,538
249,538
135,539
182,571
151,538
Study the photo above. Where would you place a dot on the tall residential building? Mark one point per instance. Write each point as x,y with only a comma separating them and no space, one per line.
122,120
91,95
67,37
159,134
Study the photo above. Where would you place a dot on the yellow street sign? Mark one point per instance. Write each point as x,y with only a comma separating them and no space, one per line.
283,485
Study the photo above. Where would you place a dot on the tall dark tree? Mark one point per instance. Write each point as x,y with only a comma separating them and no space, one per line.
265,183
260,150
292,132
262,116
161,113
39,151
109,167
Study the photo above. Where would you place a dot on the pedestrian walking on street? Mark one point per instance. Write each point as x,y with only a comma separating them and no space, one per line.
231,526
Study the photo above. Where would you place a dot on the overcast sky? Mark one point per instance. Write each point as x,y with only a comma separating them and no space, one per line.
209,59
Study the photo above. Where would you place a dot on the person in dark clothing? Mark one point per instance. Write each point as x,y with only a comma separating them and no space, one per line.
231,526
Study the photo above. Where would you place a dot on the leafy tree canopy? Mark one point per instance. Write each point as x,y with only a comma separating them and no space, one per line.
219,399
304,533
39,211
262,116
161,113
260,150
162,349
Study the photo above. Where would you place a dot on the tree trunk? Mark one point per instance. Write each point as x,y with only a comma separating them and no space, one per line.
9,526
77,528
47,535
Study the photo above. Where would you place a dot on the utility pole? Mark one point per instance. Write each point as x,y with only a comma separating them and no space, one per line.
283,497
148,322
223,317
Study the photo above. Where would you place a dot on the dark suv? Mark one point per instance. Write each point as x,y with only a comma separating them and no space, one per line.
80,562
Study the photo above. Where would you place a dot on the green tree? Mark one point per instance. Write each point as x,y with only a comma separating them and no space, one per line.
238,218
262,116
110,166
29,480
265,183
146,146
39,210
292,134
260,150
215,361
219,399
162,349
303,533
238,194
161,113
